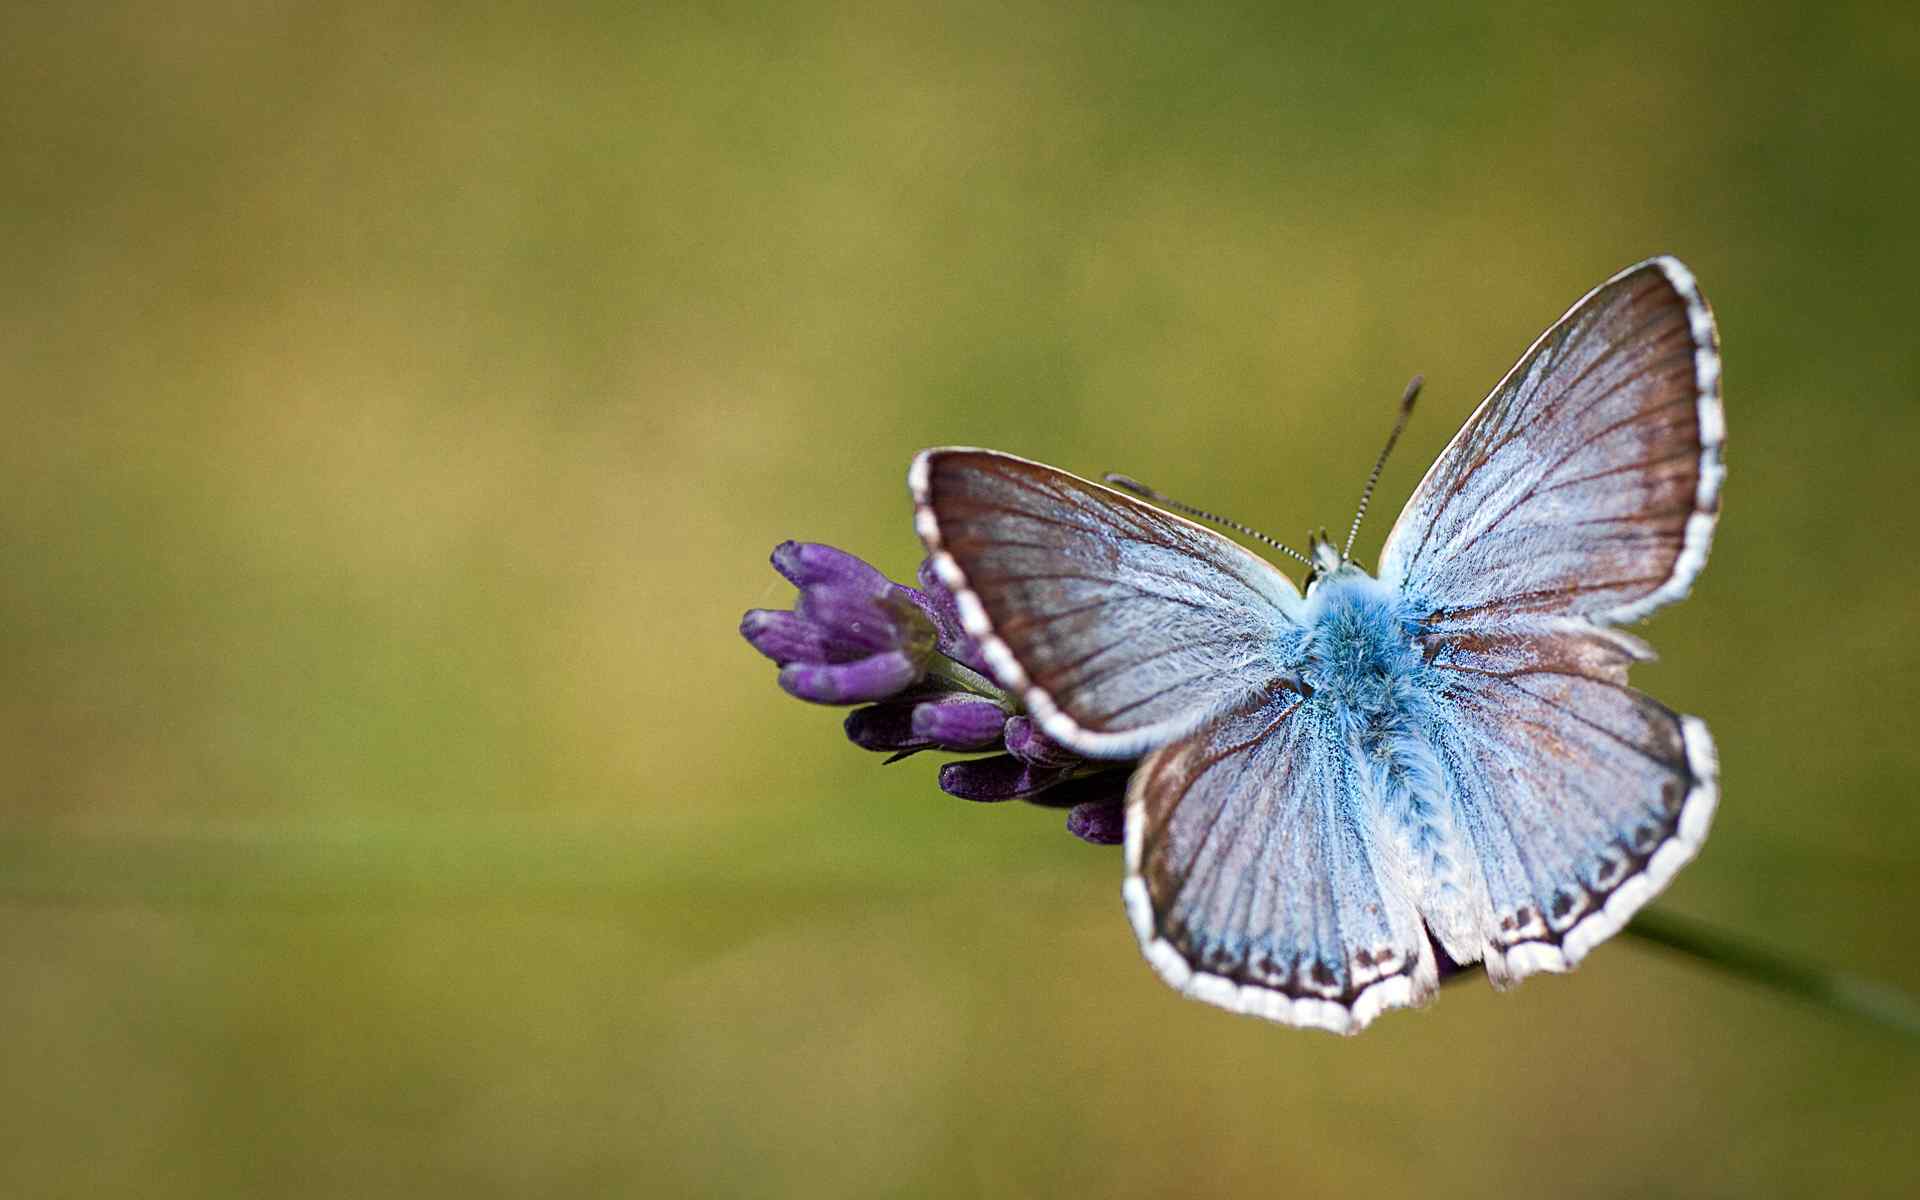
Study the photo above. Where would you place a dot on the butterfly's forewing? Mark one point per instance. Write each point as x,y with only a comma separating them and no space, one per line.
1588,483
1121,626
1579,796
1251,881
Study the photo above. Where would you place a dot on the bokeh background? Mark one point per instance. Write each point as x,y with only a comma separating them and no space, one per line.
400,402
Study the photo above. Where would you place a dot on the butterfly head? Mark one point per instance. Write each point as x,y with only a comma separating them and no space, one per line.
1326,560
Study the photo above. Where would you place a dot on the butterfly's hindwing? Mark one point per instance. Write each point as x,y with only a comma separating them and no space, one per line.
1122,626
1251,874
1579,796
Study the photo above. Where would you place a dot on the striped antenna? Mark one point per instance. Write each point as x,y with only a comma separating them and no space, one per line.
1406,410
1130,484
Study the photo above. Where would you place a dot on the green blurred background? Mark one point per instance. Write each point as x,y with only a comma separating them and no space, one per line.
400,403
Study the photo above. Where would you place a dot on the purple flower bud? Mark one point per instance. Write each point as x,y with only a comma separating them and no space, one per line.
787,637
938,603
810,564
959,722
865,623
869,679
1002,777
1100,822
852,638
1026,743
887,726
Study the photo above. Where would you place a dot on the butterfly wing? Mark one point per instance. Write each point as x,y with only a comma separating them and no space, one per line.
1582,493
1251,878
1588,483
1121,626
1577,796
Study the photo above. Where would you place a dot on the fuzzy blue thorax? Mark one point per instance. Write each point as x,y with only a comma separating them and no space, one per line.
1356,648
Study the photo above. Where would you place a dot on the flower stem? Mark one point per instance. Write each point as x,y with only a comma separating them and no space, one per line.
1837,991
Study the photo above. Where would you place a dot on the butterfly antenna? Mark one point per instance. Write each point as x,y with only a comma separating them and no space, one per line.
1406,410
1130,484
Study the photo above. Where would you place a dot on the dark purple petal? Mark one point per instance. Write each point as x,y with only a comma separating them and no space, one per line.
873,678
807,564
937,602
1027,743
959,722
940,601
852,617
788,637
944,622
1002,777
1101,822
886,726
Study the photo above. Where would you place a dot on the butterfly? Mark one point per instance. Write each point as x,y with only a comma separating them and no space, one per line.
1338,786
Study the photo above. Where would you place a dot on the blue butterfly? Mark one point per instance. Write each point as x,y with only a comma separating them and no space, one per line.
1444,754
